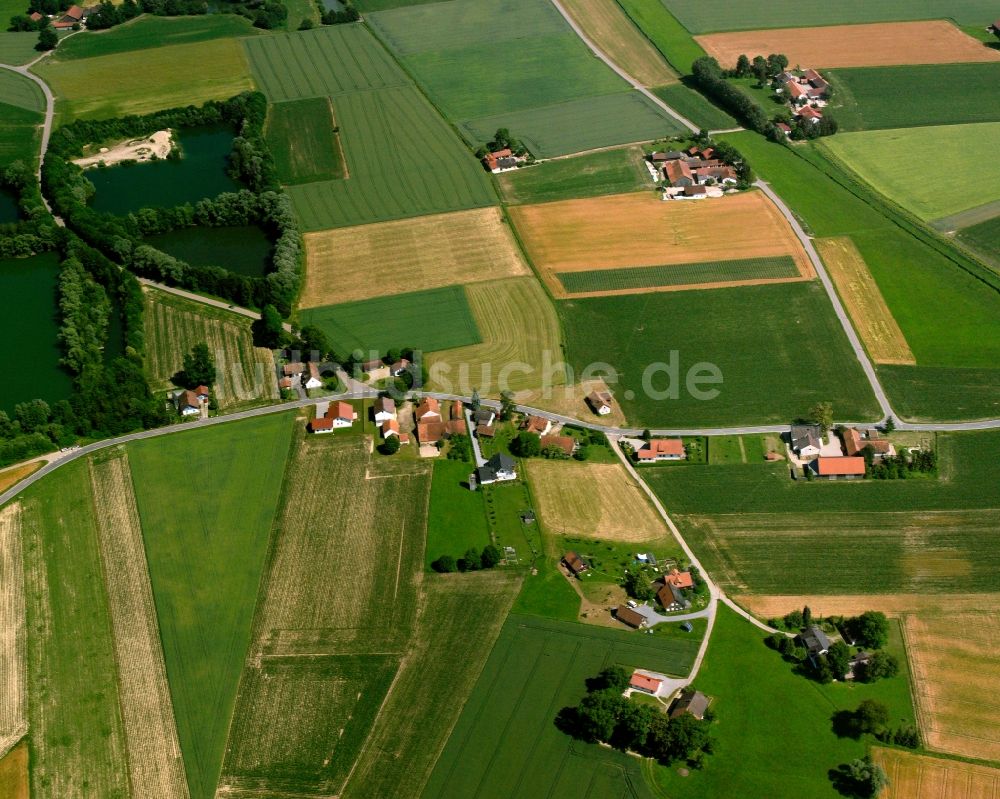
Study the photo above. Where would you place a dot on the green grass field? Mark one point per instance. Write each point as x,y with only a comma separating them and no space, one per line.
299,11
382,5
459,613
884,551
207,501
939,392
867,99
705,16
535,77
758,336
689,103
77,741
385,183
664,31
578,125
147,80
765,747
884,158
17,48
301,721
147,31
640,277
19,91
323,62
967,468
436,319
736,449
505,742
984,235
19,132
591,175
499,77
305,145
913,271
457,519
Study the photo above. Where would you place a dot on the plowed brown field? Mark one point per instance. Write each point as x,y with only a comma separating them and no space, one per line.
634,230
875,45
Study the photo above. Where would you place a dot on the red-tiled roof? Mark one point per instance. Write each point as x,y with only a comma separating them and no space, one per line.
840,466
429,405
536,424
679,579
390,425
565,443
340,410
675,170
645,682
324,423
662,447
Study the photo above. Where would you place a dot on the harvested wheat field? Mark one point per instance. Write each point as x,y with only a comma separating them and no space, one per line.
13,679
921,777
950,642
428,252
342,573
520,336
636,230
864,302
16,474
174,325
597,500
155,764
875,45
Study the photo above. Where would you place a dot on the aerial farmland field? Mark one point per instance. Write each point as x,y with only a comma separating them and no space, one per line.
302,137
174,325
756,339
596,500
564,236
17,48
505,743
704,16
409,255
150,80
884,44
606,172
399,320
881,158
206,540
923,777
517,326
18,133
870,99
18,91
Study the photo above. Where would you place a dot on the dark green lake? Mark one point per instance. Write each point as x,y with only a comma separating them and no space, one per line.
245,250
8,207
200,172
29,357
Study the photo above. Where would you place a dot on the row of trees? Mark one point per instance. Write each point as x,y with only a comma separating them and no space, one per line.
35,231
710,78
606,716
122,237
84,311
763,69
901,466
473,560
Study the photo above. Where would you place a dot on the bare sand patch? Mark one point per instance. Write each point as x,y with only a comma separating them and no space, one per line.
864,302
13,677
638,229
428,252
155,763
871,45
596,500
154,147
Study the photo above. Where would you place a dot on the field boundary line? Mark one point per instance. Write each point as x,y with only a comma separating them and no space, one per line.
13,645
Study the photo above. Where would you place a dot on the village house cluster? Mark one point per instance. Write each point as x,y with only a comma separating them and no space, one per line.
807,92
692,174
837,458
502,160
74,15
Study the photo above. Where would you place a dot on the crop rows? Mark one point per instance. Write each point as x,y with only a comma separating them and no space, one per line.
643,277
174,326
323,62
302,138
13,678
154,757
434,174
399,320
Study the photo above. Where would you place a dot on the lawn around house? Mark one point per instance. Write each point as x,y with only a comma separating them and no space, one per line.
207,501
773,731
457,520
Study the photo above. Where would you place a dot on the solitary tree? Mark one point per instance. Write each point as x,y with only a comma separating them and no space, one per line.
199,366
872,628
839,657
822,414
871,716
507,405
890,424
390,446
807,616
47,39
742,66
526,445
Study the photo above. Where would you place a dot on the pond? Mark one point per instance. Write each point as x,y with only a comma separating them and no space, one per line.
29,358
200,172
9,211
245,249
